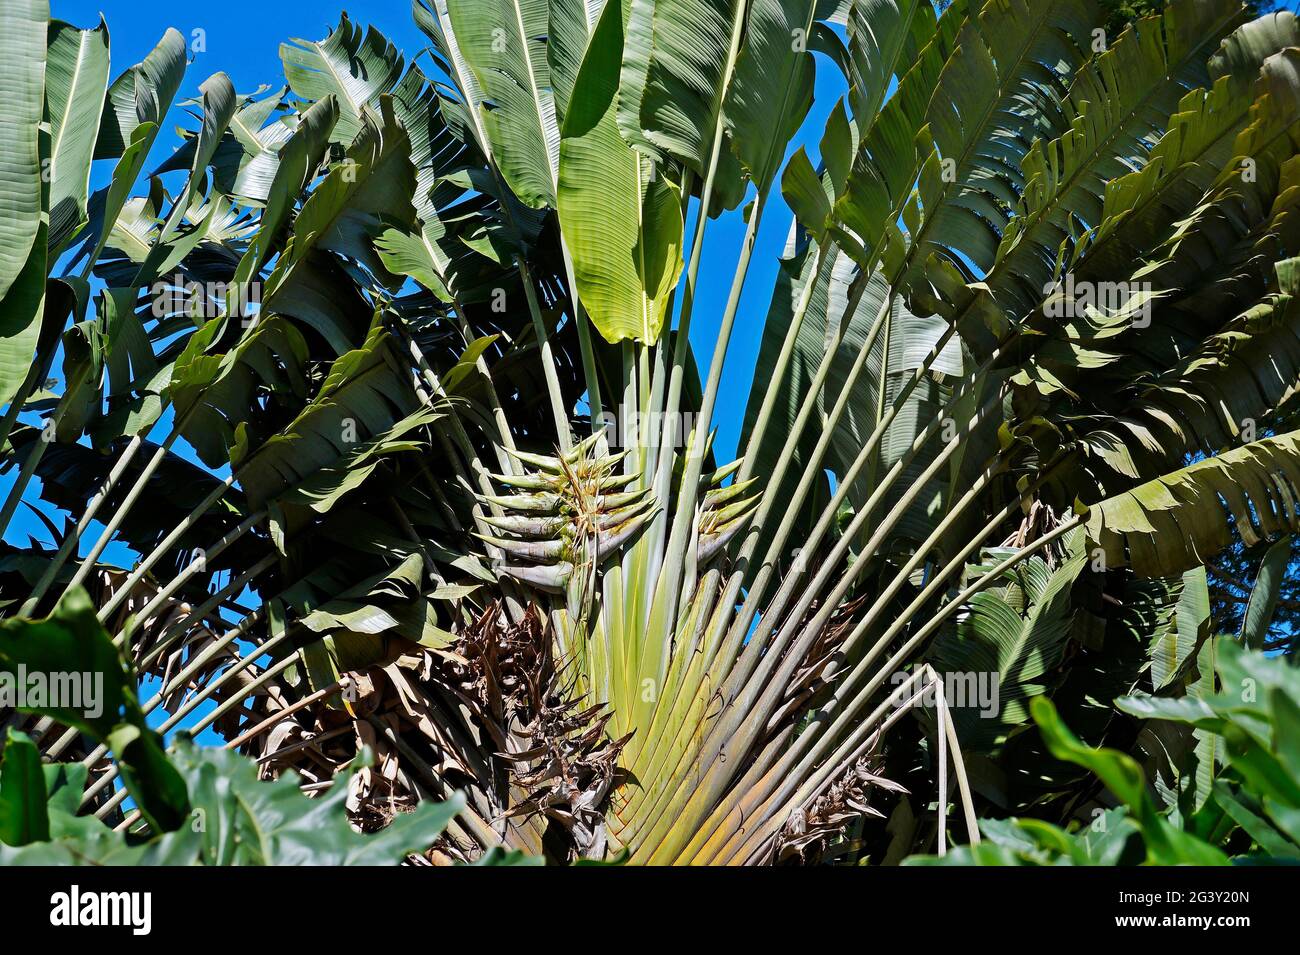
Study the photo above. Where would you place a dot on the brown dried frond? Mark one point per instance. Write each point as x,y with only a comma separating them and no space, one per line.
811,831
812,678
1040,520
559,753
491,714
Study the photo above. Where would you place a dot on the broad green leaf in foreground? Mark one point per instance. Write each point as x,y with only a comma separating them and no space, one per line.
622,219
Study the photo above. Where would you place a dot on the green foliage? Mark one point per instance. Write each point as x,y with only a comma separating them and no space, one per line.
22,792
1252,806
1122,12
235,819
72,644
1018,635
626,260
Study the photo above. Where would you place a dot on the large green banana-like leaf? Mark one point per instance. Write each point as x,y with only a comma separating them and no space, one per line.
1018,644
806,194
1176,645
84,351
76,79
410,253
1138,208
362,397
1205,246
296,164
213,393
1184,395
129,360
20,318
572,23
75,473
355,67
886,163
1180,520
253,178
1117,107
136,226
678,66
494,226
434,18
156,249
622,221
435,255
322,296
680,60
768,99
325,488
218,100
141,95
22,78
1205,402
969,120
244,163
372,185
1181,394
885,38
1264,594
437,152
888,42
1015,49
357,624
504,42
134,109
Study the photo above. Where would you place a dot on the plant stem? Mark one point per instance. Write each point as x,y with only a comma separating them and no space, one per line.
111,526
747,710
959,766
809,750
175,534
668,586
70,541
773,386
558,412
37,451
198,565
